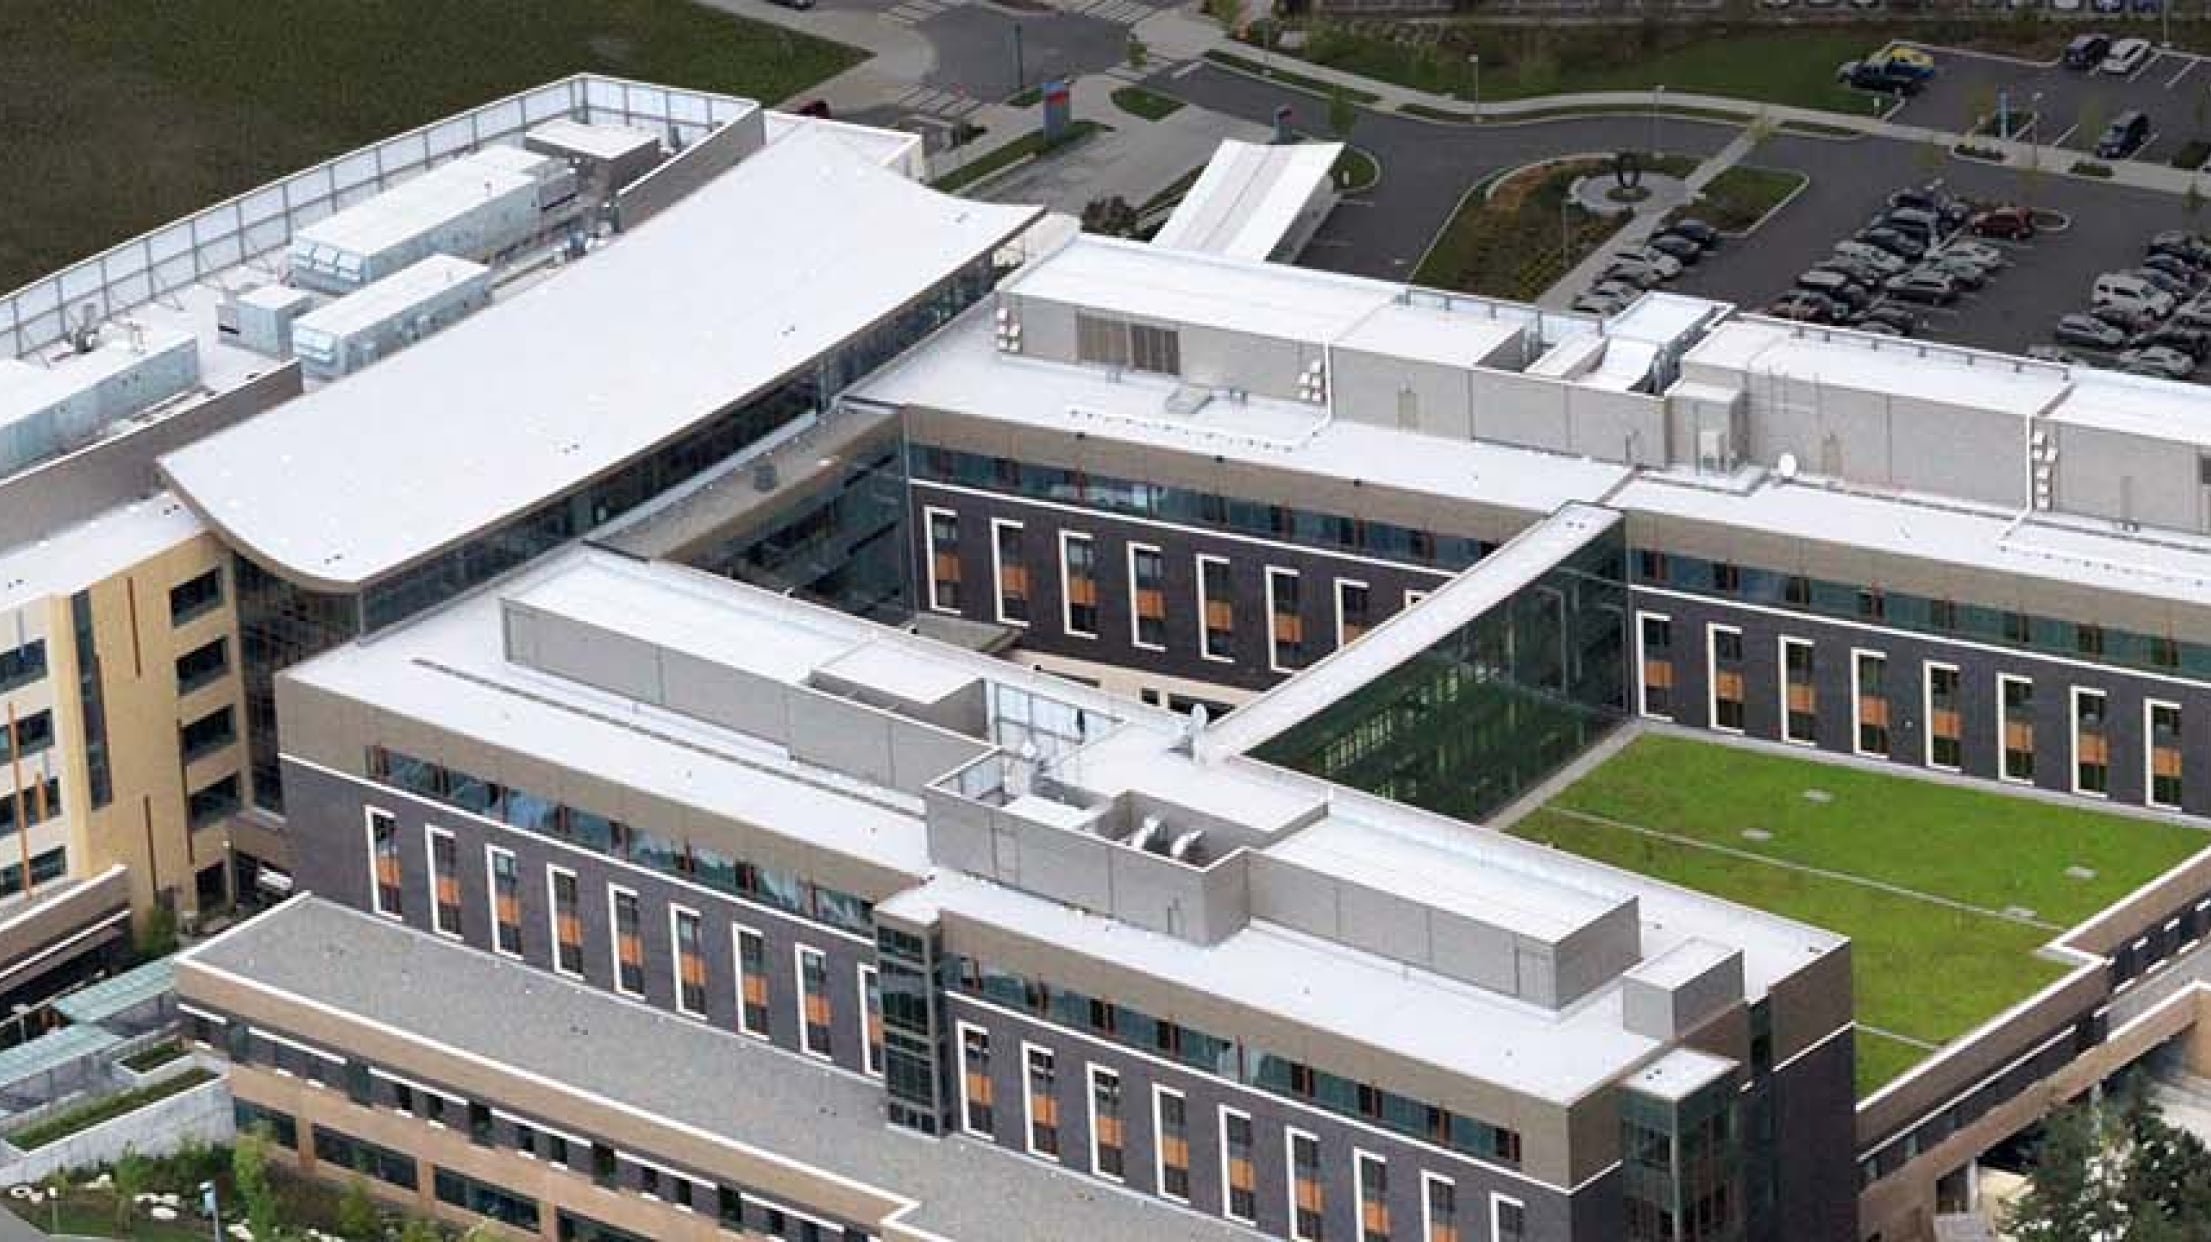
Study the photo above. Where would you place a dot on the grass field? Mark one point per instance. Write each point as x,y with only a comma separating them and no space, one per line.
1895,859
128,113
1740,197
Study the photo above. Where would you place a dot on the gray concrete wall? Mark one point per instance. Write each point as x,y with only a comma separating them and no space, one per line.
2127,478
200,1114
691,168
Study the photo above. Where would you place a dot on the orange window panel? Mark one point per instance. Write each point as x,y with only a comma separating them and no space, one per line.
817,1010
387,870
571,929
1946,722
1045,1108
1730,684
1353,630
2165,761
1873,711
2019,735
1082,591
449,891
1150,602
756,989
1377,1217
1309,1194
1241,1175
1289,627
1220,614
1109,1131
694,969
1802,697
1443,1233
2094,749
1658,673
632,950
1175,1151
947,566
978,1088
1014,579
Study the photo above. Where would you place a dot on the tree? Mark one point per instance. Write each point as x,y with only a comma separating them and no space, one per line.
157,936
2167,1173
1112,217
1138,55
249,1170
2069,1197
130,1177
357,1214
419,1230
1229,13
1342,113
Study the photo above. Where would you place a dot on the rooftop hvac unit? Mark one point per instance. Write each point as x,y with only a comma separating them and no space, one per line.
1150,828
1185,846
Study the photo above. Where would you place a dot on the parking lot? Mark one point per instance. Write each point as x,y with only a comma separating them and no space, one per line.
2069,108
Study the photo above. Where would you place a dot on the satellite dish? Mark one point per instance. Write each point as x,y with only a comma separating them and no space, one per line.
1786,467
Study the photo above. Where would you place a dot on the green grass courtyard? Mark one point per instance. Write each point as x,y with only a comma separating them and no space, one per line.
1946,891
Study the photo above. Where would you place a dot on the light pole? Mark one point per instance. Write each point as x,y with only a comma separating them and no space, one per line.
1565,238
213,1208
2034,116
1475,60
1020,70
1656,91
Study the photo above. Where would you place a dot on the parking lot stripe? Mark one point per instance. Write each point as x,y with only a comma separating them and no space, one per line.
2185,70
2059,141
2143,68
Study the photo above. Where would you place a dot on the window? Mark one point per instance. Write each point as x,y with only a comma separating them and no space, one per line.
1147,597
1655,638
382,1163
1216,610
1011,572
445,882
195,668
2162,727
1353,599
1042,1103
685,934
1439,1209
977,1115
211,802
1508,1219
2091,749
813,1002
1945,727
1869,672
944,559
1725,656
752,985
2017,694
629,941
1374,1197
387,895
503,876
1727,579
41,801
188,600
567,916
1799,693
1171,1148
1105,1122
1119,343
1308,1202
484,1199
871,1013
1872,604
1285,624
1078,584
91,703
20,666
1650,566
1239,1175
2089,640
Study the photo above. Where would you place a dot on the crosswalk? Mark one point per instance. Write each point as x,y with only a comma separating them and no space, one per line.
1119,12
914,12
950,105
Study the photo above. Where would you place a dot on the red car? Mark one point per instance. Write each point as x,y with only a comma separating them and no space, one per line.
2016,223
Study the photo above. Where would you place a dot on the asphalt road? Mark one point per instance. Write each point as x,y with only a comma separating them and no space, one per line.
975,48
2071,107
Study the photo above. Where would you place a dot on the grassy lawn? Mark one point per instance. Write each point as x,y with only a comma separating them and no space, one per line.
1512,243
126,114
1277,70
1741,196
1921,968
1795,67
1882,1057
55,1129
1355,170
1028,144
152,1058
1151,105
87,1215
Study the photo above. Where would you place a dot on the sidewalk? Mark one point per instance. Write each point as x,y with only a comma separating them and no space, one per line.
1639,230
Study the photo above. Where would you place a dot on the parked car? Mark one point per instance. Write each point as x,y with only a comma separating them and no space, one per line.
2194,342
1621,289
2109,6
2087,51
1904,59
2189,276
2078,329
1929,197
2131,292
2055,353
1837,286
1895,316
1595,303
1864,273
1697,231
2013,223
2128,319
1901,245
1923,285
1634,272
2173,286
1927,226
1805,307
1668,266
1874,327
2196,314
1966,272
1873,256
1680,249
2158,360
1870,76
2126,56
2185,246
2124,136
1979,252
